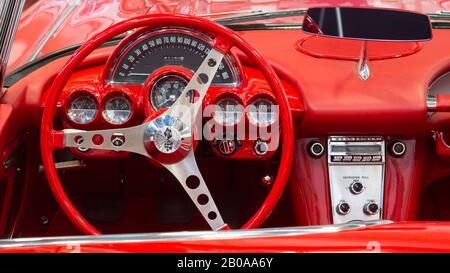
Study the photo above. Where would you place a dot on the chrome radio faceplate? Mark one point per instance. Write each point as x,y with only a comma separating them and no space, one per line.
356,177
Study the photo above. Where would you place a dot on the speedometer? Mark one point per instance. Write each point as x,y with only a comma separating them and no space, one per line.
117,110
175,47
82,109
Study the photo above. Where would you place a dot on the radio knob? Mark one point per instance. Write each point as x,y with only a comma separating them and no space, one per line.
371,208
356,187
343,208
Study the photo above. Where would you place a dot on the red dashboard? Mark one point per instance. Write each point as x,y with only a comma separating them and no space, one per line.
353,150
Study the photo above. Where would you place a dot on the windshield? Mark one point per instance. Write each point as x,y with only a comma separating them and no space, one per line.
47,26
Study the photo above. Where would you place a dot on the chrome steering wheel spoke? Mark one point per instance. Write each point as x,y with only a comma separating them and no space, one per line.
121,139
199,84
188,175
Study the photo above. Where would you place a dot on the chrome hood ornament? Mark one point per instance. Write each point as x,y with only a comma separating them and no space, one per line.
363,63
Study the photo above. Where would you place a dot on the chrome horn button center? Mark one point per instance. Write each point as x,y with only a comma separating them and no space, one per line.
167,139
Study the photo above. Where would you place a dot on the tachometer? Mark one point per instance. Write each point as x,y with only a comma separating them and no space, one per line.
82,109
176,47
117,110
166,90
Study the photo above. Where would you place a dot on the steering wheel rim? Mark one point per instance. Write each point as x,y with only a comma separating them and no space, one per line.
225,39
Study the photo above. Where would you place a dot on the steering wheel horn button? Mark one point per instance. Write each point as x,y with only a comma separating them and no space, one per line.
167,139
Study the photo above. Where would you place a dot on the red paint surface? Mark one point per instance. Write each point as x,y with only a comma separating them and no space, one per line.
335,101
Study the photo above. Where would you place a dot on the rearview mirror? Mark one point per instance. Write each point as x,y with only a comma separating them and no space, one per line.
367,24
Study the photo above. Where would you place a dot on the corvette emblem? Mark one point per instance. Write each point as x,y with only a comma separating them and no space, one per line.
167,140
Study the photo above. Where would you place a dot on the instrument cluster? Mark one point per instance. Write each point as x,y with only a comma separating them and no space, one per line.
147,73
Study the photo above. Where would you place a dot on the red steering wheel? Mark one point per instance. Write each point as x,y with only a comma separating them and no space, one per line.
177,121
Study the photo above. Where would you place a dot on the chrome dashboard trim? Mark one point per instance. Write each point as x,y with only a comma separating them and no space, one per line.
431,103
184,235
363,165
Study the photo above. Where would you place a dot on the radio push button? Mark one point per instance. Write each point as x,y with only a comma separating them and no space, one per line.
347,158
337,158
367,158
357,158
376,158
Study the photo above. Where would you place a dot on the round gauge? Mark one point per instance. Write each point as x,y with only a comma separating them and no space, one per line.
117,110
262,112
83,109
166,90
228,111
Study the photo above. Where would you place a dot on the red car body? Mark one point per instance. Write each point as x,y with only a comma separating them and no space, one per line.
325,98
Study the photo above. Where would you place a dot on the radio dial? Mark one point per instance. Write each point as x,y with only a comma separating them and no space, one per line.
356,187
371,208
343,208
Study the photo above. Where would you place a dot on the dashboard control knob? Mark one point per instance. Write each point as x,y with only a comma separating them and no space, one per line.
356,187
316,149
343,208
267,180
227,147
79,141
398,148
371,208
261,147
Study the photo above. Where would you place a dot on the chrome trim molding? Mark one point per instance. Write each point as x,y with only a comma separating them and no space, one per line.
54,28
184,235
10,12
431,103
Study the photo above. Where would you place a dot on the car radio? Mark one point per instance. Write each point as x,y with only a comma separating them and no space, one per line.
356,177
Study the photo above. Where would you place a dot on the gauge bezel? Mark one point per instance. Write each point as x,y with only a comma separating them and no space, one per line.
112,95
76,95
238,100
138,36
251,103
